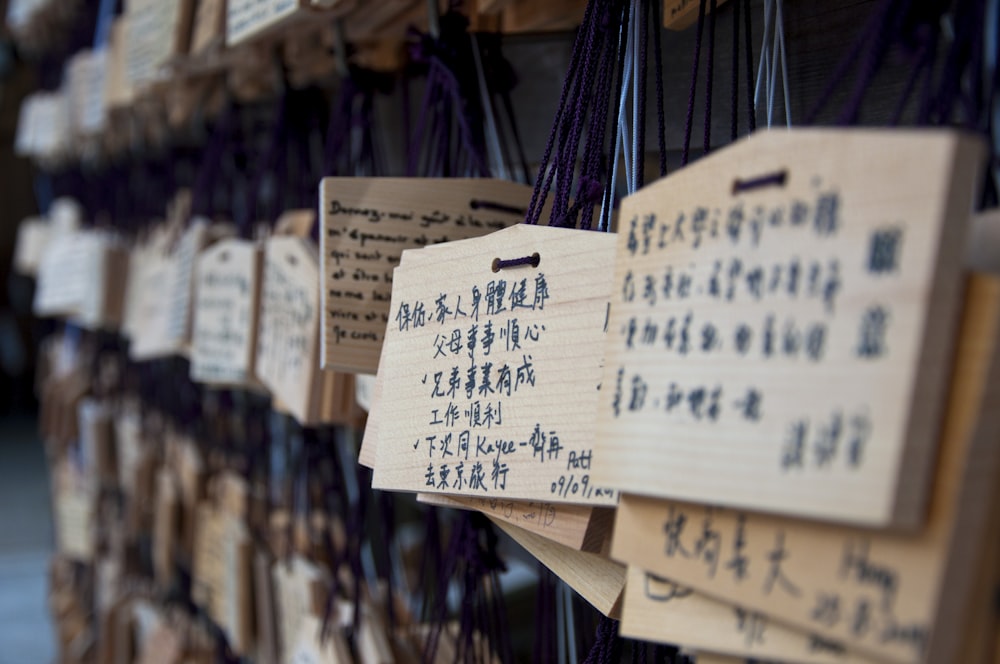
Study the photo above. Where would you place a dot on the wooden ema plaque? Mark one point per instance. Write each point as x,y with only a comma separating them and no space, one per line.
596,578
783,321
890,595
578,527
227,295
289,326
368,223
655,609
246,19
491,373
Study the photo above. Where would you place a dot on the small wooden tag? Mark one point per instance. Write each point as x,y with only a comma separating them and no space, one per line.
246,19
578,527
209,26
782,325
227,298
33,235
655,609
165,521
299,588
64,272
368,223
597,579
894,596
309,647
75,513
87,72
155,33
491,378
164,296
289,325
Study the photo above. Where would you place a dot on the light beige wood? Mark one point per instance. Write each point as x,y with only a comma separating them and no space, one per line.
299,585
268,641
597,579
981,615
33,235
368,223
256,19
156,31
913,587
578,527
528,16
160,306
64,272
655,609
831,409
227,301
165,520
289,325
531,437
308,646
209,27
681,14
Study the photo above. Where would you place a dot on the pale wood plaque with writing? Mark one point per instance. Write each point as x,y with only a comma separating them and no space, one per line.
289,325
252,18
895,596
368,223
491,376
227,292
655,609
783,321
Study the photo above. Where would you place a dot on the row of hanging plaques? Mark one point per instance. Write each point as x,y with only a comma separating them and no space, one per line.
774,380
768,389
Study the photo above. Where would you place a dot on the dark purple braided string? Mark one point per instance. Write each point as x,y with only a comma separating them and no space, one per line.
545,174
692,91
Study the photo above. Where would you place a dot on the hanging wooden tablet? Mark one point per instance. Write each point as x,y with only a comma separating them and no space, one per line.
63,274
309,646
579,527
103,283
227,299
246,19
289,326
492,369
299,594
596,578
33,235
368,223
165,521
156,31
894,596
118,90
166,290
87,71
266,626
75,502
783,322
208,31
658,610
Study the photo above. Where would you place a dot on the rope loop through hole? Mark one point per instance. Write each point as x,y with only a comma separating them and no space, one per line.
533,260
